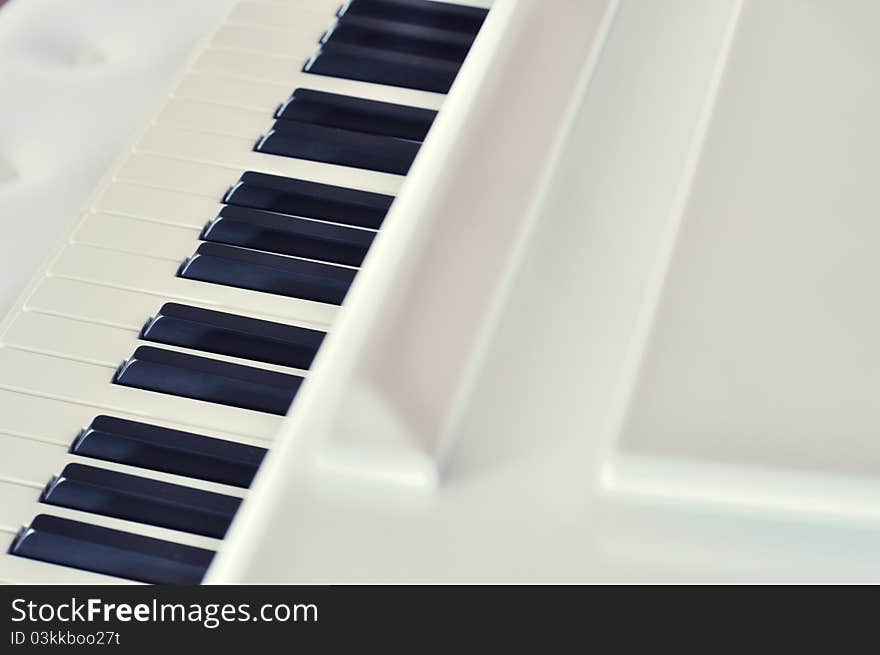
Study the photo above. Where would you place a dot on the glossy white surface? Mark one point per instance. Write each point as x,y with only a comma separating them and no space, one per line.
762,355
681,384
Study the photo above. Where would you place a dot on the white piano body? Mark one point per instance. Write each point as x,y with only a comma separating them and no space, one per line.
619,324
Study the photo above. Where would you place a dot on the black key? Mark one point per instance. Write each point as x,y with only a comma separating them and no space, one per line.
357,114
171,451
331,145
383,67
111,552
400,37
133,498
284,276
201,378
228,334
440,15
300,198
289,235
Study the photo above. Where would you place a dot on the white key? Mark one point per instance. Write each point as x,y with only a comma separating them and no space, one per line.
283,15
88,384
28,462
382,92
300,43
238,154
137,236
19,504
20,570
116,307
34,418
33,463
213,181
98,344
58,422
98,304
158,277
89,343
177,175
160,205
16,503
272,79
231,91
233,121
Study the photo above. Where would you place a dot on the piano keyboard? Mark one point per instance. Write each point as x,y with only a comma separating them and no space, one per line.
145,370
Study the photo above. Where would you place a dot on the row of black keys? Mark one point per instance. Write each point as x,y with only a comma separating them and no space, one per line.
412,44
397,48
267,220
268,217
271,214
347,131
135,498
210,380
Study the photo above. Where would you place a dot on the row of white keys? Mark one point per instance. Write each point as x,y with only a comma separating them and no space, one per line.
257,50
35,436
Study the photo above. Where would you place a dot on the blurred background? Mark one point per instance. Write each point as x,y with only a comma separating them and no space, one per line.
79,80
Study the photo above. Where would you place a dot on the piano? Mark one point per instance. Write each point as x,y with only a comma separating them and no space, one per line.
471,291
